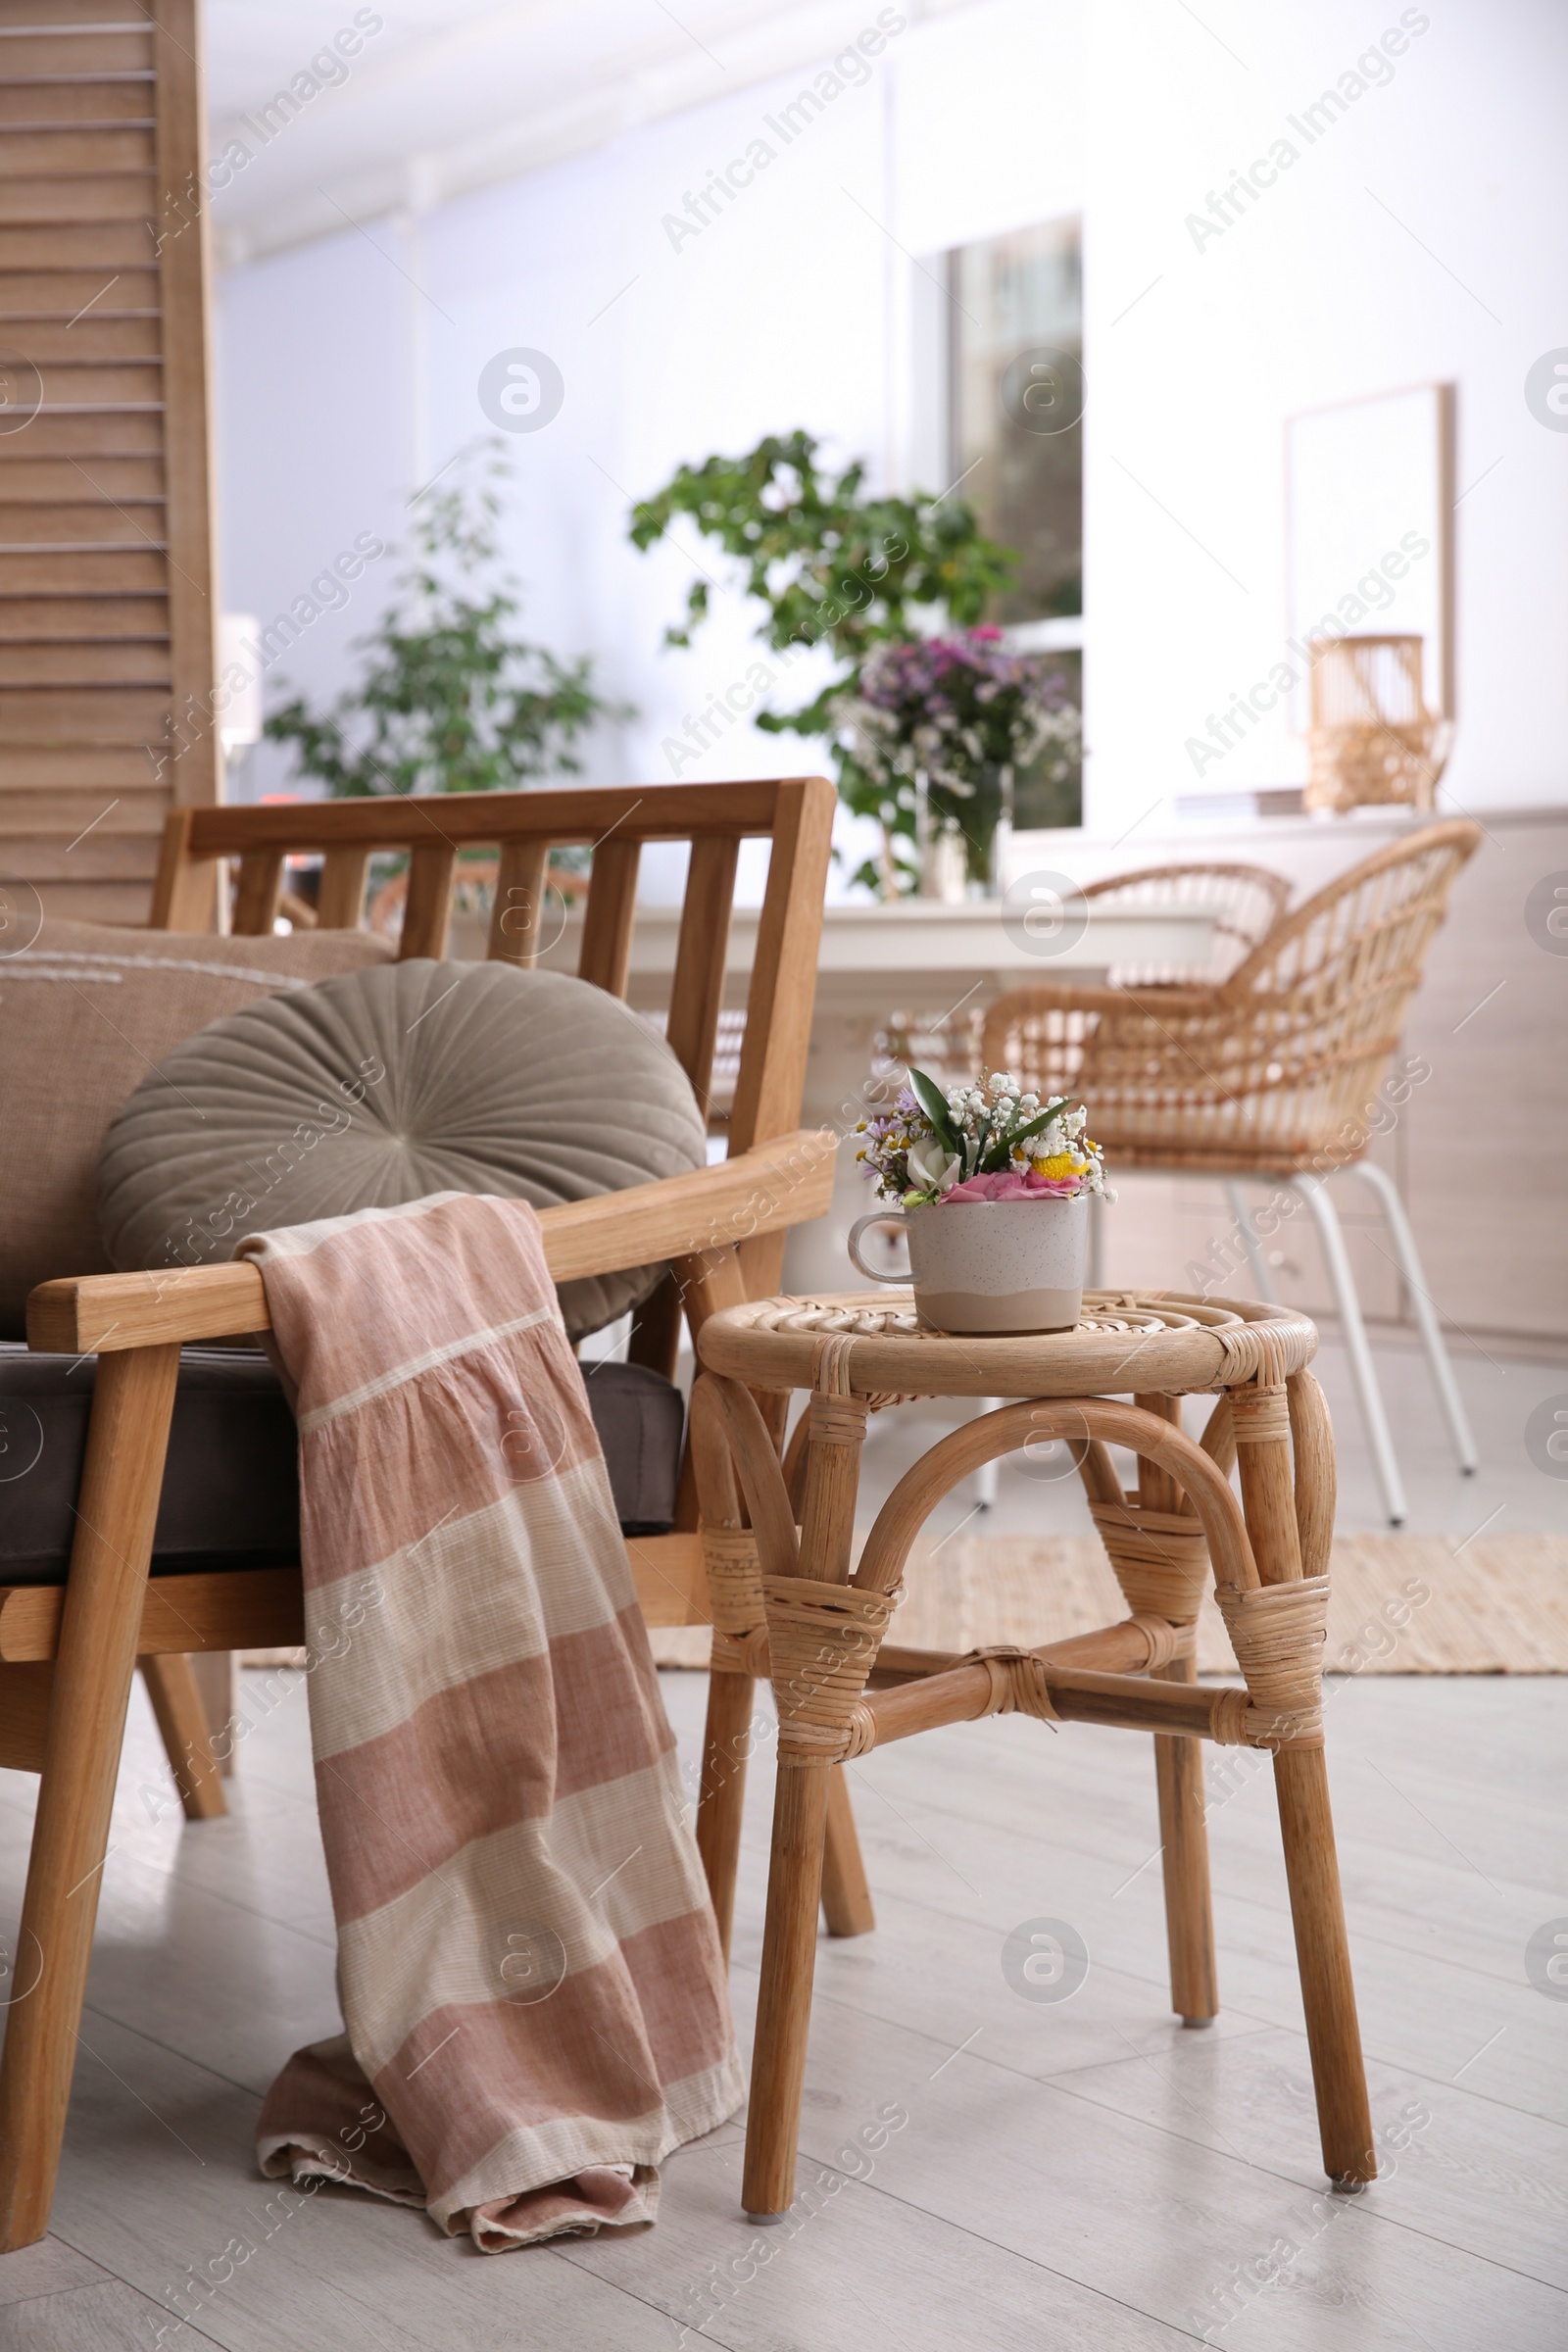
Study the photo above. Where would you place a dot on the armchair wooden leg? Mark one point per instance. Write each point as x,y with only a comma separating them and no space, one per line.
721,1799
187,1739
122,1476
846,1897
1184,1839
784,2003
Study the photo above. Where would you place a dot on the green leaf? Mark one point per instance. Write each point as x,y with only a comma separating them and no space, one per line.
934,1102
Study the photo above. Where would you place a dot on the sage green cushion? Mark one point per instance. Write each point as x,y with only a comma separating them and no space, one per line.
383,1086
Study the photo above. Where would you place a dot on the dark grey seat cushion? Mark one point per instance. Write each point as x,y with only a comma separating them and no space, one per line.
230,1494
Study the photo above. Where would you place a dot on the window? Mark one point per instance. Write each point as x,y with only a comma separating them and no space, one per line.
1015,396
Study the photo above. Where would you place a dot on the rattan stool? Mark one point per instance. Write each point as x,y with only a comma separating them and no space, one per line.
786,1604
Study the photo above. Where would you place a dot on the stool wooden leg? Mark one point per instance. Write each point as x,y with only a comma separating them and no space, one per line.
121,1475
721,1799
846,1896
1306,1824
784,2004
1323,1958
1184,1839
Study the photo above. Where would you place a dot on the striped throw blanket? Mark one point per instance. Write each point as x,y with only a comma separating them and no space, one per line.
527,1962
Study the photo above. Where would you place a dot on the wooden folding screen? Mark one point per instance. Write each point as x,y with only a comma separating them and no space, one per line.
108,625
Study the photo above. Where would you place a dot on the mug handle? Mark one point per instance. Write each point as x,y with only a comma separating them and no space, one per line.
879,1216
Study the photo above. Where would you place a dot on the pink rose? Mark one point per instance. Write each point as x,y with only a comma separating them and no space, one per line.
1009,1184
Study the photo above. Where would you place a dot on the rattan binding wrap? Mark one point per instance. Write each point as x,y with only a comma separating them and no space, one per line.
1160,1559
1277,1632
823,1640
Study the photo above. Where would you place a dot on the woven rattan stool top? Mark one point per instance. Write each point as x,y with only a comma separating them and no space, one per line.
1164,1341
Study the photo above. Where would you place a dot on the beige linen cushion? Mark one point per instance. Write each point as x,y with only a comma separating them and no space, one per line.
383,1086
85,1012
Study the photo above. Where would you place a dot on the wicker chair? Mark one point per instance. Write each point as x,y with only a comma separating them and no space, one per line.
1273,1073
1248,902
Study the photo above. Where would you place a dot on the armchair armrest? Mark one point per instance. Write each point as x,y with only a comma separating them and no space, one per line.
766,1190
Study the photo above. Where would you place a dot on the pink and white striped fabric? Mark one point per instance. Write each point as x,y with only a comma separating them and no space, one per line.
527,1961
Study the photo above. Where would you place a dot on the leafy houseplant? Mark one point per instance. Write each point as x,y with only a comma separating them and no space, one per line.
450,700
958,717
833,566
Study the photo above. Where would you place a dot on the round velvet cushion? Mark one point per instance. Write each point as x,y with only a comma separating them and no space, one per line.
382,1086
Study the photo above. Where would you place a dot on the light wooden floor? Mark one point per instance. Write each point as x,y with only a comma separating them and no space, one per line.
1040,2175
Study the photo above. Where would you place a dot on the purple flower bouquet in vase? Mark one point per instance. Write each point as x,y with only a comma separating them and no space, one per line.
954,718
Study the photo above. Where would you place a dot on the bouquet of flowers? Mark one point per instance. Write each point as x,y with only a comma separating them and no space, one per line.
963,713
991,1141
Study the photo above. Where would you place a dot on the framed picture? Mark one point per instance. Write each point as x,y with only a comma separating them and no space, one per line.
1369,541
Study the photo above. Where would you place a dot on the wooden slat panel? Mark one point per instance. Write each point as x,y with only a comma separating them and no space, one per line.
129,100
41,767
61,293
56,714
92,341
518,916
62,814
129,661
697,990
99,524
116,570
427,912
193,591
340,903
88,15
44,154
55,57
607,928
111,383
105,245
261,883
97,197
120,433
45,481
101,857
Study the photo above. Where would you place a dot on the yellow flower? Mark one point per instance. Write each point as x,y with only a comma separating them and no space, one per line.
1061,1163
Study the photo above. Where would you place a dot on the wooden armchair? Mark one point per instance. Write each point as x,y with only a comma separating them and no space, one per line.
68,1651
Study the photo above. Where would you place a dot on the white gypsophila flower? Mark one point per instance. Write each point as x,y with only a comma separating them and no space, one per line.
931,1167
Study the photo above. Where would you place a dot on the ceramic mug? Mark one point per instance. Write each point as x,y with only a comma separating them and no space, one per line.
990,1268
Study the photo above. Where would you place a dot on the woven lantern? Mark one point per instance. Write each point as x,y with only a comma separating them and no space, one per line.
1372,737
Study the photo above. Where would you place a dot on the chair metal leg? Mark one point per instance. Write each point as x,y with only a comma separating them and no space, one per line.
1364,1371
985,1478
1262,1272
1460,1436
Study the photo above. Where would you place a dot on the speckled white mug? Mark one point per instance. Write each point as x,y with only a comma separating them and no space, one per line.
990,1268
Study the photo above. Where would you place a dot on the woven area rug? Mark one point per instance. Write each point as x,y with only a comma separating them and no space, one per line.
1400,1604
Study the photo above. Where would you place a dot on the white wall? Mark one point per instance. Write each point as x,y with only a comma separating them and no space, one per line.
348,369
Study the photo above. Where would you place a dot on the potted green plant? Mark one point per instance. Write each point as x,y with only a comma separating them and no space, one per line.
836,566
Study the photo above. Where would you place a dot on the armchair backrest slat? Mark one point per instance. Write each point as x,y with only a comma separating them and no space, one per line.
795,814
